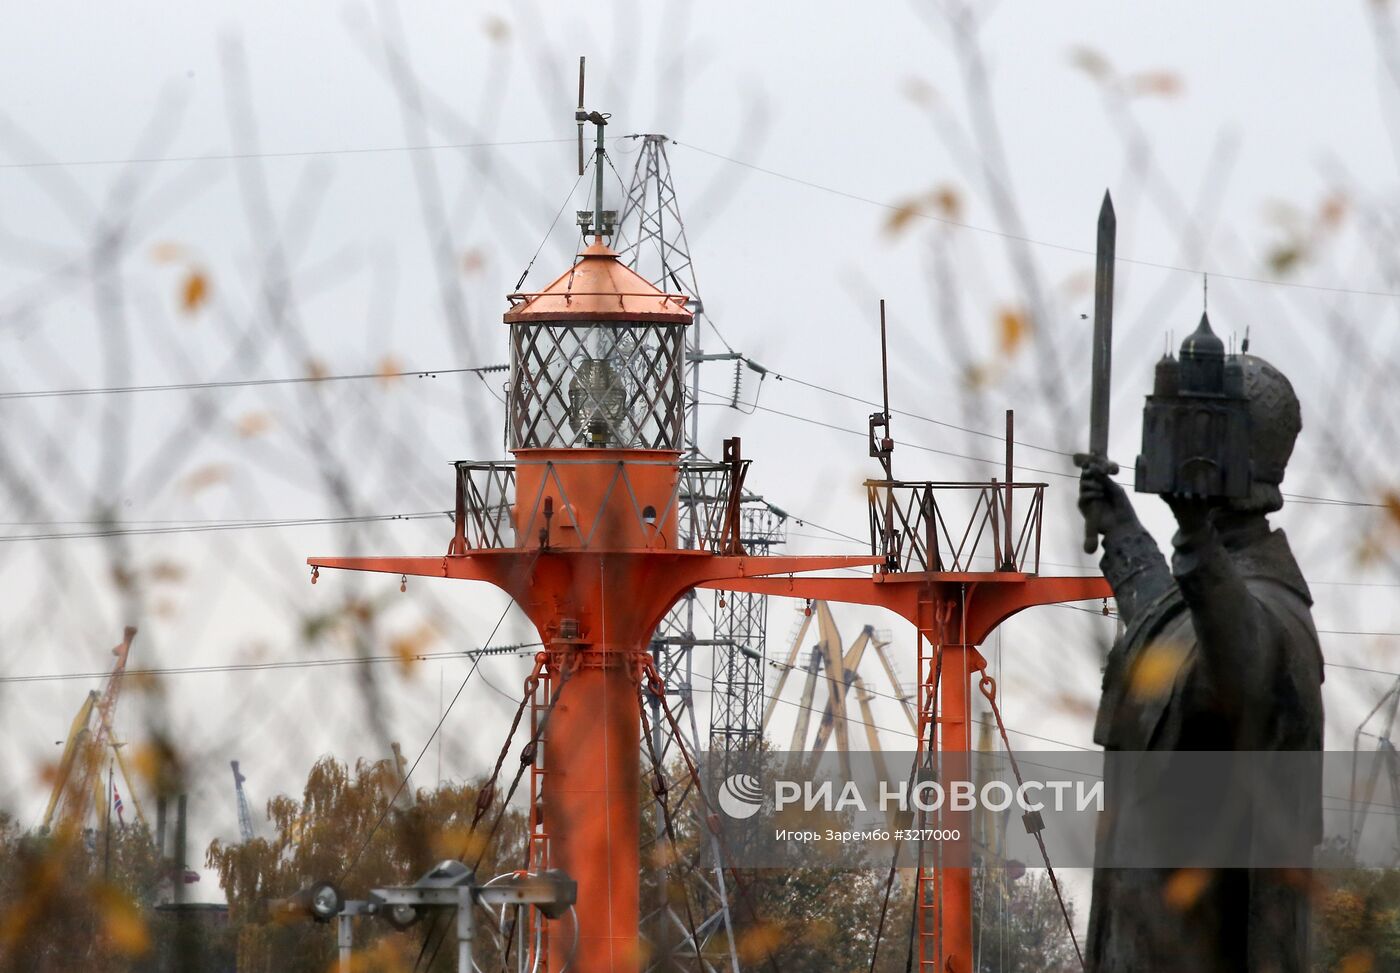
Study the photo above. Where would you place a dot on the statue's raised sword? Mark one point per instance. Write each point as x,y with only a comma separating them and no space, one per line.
1102,355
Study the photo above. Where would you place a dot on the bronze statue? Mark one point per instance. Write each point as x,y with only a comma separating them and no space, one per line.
1225,633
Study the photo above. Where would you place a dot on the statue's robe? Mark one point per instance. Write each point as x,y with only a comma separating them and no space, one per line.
1235,665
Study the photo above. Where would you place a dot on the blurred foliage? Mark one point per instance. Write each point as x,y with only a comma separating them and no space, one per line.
1017,924
69,902
323,836
1356,915
822,913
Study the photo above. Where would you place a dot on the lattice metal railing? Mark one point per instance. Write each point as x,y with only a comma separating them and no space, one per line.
956,527
485,498
490,515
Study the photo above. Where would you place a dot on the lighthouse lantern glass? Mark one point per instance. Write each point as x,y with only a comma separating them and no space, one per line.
601,384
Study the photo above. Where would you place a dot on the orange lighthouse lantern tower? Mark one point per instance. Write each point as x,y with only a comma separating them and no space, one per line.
595,529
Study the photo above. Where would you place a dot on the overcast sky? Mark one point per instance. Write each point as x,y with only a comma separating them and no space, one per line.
1226,134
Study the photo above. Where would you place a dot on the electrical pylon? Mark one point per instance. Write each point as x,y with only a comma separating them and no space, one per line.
652,241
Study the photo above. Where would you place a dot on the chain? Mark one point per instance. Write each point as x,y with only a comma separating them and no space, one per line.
988,685
531,748
657,686
658,790
485,798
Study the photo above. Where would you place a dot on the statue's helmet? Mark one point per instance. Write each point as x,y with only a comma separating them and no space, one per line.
1275,419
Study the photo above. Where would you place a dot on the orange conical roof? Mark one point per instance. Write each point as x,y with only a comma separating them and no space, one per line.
599,287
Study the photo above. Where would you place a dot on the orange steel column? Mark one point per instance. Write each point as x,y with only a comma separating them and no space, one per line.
955,744
595,611
942,604
592,807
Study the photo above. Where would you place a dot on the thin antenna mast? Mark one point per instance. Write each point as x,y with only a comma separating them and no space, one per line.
598,222
882,447
580,116
882,444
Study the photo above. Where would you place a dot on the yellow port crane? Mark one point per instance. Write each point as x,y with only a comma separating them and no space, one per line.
842,675
78,786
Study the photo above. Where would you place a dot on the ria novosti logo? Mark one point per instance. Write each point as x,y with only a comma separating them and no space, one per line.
741,796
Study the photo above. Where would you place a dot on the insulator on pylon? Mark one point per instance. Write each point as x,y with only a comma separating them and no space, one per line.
403,582
315,575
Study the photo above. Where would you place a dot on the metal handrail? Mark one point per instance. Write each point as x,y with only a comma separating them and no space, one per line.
485,517
914,529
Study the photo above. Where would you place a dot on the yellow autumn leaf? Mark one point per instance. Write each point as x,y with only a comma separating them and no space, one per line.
389,368
252,424
407,648
1332,211
145,761
1368,551
1079,283
948,202
389,955
456,842
165,253
205,477
195,290
473,262
899,217
1013,326
122,925
1162,84
1155,670
315,368
1184,888
1285,257
1357,961
758,941
1076,705
167,571
1391,500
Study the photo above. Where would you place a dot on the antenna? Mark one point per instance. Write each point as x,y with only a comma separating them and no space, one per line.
596,221
881,445
580,116
884,361
1205,286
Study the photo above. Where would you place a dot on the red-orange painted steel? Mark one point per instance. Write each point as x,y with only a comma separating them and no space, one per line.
954,611
611,600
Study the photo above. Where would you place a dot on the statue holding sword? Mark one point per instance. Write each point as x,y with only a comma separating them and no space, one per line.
1217,652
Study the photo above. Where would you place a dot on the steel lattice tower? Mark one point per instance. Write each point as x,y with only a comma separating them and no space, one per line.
652,240
740,656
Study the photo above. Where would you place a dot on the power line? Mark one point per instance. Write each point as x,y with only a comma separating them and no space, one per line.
238,667
247,383
1002,234
485,369
725,399
1320,631
300,154
231,525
